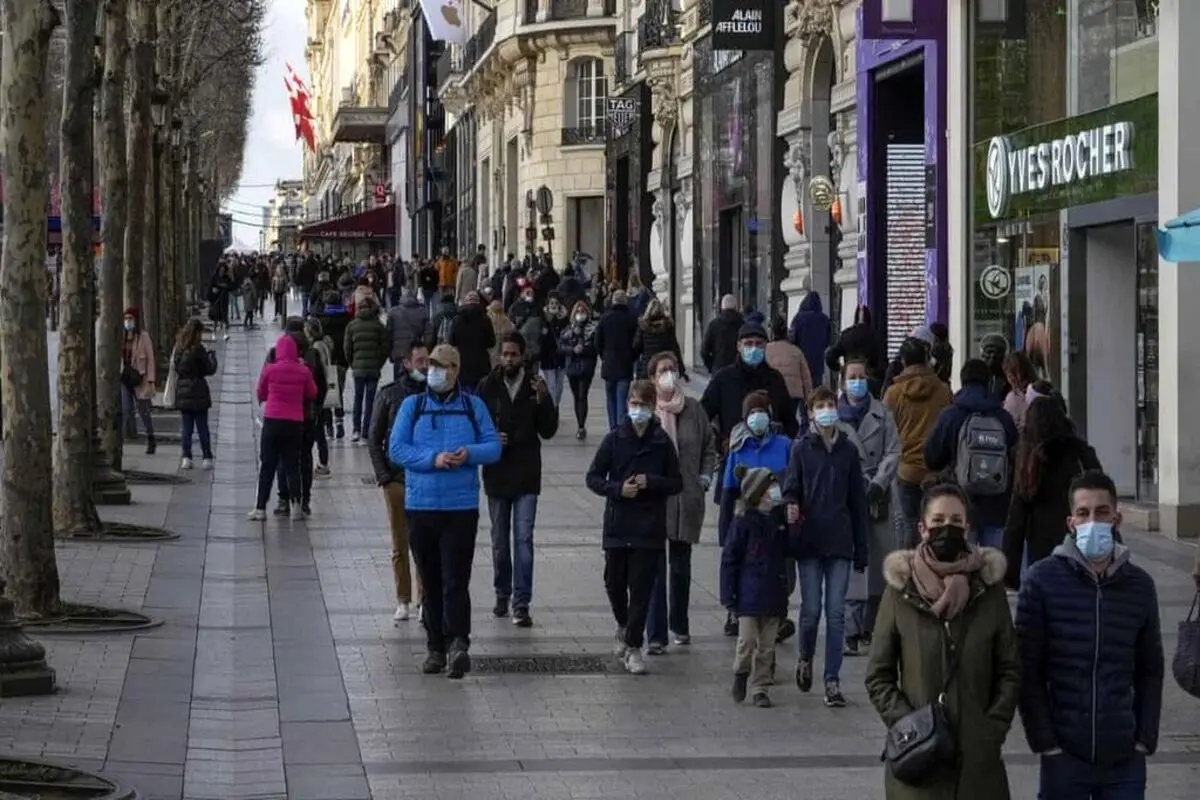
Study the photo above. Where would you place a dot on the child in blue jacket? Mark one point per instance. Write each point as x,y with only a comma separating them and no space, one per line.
754,581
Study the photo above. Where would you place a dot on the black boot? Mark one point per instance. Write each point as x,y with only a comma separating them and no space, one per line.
151,445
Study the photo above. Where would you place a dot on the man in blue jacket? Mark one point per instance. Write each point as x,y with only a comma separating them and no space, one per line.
441,437
1091,656
974,437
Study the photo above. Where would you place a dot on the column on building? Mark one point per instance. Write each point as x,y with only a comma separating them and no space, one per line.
1179,284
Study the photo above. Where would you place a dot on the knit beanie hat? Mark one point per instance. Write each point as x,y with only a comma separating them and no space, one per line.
755,482
755,400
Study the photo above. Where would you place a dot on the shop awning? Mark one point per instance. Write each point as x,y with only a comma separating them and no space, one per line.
1179,239
378,223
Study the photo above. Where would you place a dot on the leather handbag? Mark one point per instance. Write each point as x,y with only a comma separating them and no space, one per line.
1185,666
922,741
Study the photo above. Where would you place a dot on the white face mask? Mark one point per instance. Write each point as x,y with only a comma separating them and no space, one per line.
666,381
581,318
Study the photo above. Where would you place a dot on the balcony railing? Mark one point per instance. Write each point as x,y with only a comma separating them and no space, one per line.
564,10
591,133
478,44
621,59
449,65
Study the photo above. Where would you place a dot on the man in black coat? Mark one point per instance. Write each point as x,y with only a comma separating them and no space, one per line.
472,333
524,413
724,394
719,349
391,477
614,345
334,321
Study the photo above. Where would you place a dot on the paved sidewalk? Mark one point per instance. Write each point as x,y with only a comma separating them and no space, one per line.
279,672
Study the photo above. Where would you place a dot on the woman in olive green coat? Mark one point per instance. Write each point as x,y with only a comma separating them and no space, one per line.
947,596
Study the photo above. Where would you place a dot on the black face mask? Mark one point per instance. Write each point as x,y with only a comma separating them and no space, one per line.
948,542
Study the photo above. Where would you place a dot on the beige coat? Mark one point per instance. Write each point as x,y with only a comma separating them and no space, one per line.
697,458
788,360
141,358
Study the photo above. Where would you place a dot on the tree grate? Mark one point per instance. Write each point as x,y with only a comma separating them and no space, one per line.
551,664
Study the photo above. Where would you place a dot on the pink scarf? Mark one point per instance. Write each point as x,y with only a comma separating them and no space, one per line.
668,411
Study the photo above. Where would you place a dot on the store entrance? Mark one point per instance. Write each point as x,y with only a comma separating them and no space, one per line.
730,274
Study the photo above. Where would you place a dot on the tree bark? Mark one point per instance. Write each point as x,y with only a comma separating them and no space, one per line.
112,232
151,302
27,543
74,509
142,79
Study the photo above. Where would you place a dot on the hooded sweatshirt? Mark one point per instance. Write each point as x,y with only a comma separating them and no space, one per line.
286,383
810,332
916,397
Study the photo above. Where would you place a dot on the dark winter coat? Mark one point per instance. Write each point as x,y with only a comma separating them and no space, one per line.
827,482
641,521
442,323
941,448
383,416
549,356
334,321
366,344
654,337
582,364
724,394
810,332
473,335
753,575
719,349
1039,523
192,368
1092,657
910,655
406,325
861,341
614,343
526,420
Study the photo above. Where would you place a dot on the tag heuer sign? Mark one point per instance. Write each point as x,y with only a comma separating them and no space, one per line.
622,113
743,24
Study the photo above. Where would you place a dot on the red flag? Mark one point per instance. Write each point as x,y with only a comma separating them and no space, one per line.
301,116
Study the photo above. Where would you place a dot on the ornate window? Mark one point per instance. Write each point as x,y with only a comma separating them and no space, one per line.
587,89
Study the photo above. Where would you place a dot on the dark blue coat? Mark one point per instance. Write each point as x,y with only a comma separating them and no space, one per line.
810,332
1091,657
829,487
753,577
583,364
614,343
640,521
941,448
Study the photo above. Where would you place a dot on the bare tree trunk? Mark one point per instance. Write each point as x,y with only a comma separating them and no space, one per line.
27,544
74,509
116,184
142,80
151,303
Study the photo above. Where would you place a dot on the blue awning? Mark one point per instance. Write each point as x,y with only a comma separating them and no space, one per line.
54,224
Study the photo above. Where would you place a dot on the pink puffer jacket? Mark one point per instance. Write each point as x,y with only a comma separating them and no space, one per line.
286,383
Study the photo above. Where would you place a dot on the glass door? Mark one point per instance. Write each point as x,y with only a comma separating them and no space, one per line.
1147,363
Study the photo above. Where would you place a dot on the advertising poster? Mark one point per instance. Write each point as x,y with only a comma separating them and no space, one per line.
1032,306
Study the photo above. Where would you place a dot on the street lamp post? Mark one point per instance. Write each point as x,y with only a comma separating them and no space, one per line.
176,238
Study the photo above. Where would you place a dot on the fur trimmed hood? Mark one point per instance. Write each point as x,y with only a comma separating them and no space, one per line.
897,567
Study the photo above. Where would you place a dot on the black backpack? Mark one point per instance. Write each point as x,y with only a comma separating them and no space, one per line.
468,410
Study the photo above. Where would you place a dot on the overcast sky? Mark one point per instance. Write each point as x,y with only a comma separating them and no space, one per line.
272,152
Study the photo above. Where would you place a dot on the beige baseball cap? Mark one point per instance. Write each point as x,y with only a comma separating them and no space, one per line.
445,355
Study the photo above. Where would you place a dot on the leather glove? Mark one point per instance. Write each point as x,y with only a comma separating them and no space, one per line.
874,493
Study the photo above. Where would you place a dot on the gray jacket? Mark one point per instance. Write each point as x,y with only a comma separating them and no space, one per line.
406,324
878,444
697,457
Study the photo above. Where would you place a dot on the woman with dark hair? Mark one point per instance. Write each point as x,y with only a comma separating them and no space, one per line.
193,364
1050,455
1019,372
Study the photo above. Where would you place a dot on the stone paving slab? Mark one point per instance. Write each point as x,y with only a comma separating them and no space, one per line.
279,673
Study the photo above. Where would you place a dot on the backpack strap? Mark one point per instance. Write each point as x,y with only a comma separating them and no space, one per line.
468,410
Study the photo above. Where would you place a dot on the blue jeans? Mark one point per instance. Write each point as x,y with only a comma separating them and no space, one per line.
990,537
364,401
1064,777
823,579
674,578
616,394
304,304
512,545
198,421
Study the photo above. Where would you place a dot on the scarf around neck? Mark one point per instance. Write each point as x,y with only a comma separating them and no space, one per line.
945,585
853,414
668,412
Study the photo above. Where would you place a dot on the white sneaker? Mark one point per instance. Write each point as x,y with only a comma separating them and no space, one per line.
297,512
619,648
354,437
634,664
681,639
206,464
185,463
257,513
402,613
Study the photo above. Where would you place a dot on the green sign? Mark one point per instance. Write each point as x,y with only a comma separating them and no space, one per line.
1108,153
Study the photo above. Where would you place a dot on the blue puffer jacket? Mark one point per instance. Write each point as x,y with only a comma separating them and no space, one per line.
1091,656
745,449
444,425
753,576
829,486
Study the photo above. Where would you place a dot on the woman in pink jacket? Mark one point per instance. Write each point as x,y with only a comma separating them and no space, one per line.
284,385
137,378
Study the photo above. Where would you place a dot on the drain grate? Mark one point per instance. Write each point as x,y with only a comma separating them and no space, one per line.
552,664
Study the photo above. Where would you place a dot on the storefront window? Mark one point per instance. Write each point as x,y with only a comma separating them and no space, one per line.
734,215
1114,56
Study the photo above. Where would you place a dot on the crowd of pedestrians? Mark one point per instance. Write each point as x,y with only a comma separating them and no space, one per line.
904,513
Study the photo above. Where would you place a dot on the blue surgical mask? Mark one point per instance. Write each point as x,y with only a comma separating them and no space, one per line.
130,325
437,379
856,388
639,415
417,375
1094,540
825,417
753,356
758,422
